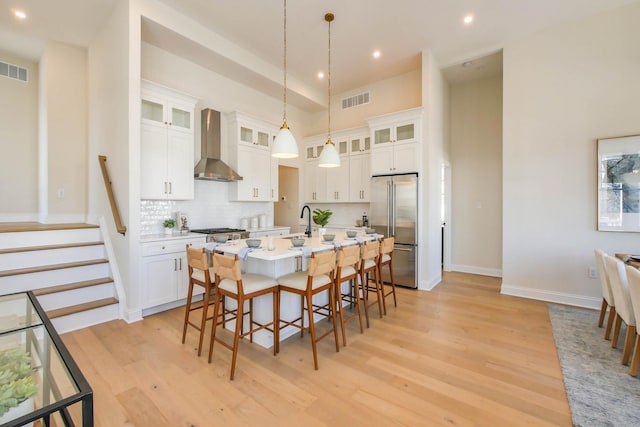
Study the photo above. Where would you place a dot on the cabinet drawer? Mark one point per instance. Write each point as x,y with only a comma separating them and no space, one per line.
170,246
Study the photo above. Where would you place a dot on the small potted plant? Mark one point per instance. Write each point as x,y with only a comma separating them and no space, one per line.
17,386
321,217
168,224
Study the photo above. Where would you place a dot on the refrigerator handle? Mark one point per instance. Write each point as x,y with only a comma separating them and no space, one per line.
388,207
393,209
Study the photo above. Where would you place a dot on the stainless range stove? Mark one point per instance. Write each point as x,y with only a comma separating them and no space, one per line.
210,232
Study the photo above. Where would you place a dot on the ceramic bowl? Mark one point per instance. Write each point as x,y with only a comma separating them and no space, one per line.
253,243
370,230
220,239
329,237
351,233
297,242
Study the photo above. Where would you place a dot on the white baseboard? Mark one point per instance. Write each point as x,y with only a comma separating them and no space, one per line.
551,296
493,272
428,285
131,316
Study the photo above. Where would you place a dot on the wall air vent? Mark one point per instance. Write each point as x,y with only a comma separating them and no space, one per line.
355,100
14,71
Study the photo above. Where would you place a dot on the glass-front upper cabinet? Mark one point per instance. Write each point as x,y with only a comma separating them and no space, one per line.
161,106
251,133
402,132
360,144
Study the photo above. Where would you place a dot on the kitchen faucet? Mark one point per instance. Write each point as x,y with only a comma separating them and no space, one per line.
307,232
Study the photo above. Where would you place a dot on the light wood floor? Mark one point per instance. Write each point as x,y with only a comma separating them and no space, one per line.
460,355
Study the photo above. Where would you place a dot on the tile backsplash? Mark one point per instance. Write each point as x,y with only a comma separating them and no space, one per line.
210,208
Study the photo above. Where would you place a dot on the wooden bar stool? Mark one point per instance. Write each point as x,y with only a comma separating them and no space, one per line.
369,266
386,258
319,278
347,271
200,274
231,283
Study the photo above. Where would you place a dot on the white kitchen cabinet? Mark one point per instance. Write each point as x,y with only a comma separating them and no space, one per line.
164,272
396,142
359,178
167,144
315,183
250,155
338,182
359,144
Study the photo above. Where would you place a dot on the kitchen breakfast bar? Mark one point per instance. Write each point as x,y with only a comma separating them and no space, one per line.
282,259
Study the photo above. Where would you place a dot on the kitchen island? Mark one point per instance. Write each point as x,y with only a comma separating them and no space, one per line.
282,260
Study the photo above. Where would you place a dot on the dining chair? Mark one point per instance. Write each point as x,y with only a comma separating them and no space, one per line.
369,267
347,272
231,283
200,274
607,296
624,311
318,278
633,276
386,259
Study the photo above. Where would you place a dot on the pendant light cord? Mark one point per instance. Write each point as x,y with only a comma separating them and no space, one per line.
284,113
329,17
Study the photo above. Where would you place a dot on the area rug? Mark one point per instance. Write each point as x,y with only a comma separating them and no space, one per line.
599,388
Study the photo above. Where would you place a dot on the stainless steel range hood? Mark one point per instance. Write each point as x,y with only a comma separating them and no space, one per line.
210,167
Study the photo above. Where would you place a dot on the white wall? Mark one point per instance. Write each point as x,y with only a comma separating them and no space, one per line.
387,96
476,175
64,108
109,135
564,88
19,143
435,94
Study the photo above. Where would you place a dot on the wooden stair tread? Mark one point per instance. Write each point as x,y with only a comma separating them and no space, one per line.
10,227
49,247
42,268
72,286
72,309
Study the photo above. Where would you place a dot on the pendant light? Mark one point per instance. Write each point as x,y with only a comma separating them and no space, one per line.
329,158
284,145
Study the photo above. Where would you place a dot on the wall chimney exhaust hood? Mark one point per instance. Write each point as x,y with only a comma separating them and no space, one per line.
210,167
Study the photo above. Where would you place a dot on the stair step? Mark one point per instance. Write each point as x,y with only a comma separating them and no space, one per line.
11,227
71,286
50,247
42,268
65,311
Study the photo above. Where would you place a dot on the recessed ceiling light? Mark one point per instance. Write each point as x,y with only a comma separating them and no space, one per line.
320,75
376,53
20,14
468,19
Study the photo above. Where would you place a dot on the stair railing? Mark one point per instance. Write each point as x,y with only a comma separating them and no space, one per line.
112,200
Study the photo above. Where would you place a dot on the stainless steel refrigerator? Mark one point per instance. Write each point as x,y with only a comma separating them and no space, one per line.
393,211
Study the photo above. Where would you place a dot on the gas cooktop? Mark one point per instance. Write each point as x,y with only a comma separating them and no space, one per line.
218,230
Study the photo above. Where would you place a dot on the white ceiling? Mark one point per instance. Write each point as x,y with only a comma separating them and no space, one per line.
400,29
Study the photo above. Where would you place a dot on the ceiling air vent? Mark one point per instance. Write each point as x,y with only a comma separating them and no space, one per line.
355,100
14,71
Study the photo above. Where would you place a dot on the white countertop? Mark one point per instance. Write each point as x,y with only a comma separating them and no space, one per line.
283,247
172,236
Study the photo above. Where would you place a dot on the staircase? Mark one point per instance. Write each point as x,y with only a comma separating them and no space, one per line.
65,266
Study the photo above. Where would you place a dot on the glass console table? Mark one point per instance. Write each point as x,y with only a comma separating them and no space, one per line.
34,362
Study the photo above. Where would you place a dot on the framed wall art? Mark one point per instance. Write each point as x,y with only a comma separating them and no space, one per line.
619,183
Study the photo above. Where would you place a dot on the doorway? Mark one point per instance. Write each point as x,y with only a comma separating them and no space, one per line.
285,210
